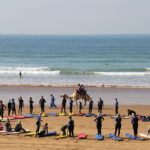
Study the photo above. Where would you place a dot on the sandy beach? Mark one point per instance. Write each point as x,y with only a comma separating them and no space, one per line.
82,123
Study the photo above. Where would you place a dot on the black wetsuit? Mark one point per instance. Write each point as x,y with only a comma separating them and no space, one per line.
71,128
21,104
116,107
90,106
80,107
63,129
2,110
118,126
135,125
63,106
31,106
13,106
8,126
71,105
38,124
18,128
100,106
9,108
42,102
130,112
99,124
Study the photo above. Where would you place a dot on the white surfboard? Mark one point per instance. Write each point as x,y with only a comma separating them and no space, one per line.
145,135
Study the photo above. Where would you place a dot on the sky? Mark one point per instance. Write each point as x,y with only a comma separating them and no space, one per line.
74,17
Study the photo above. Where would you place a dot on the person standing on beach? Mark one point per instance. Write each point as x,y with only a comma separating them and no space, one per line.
21,105
116,106
31,105
13,106
52,103
71,104
42,103
100,105
2,108
98,121
63,105
9,107
71,127
134,121
80,107
118,124
90,105
38,124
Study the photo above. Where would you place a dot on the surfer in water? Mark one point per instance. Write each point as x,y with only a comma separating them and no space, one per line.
98,121
118,124
20,74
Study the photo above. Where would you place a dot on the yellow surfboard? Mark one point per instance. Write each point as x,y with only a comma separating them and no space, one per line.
29,134
63,136
71,114
62,114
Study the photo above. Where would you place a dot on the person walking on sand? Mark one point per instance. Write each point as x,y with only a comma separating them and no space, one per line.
100,105
71,104
118,125
13,106
98,121
116,106
9,107
21,105
52,103
2,108
134,121
90,105
42,103
31,105
71,127
63,105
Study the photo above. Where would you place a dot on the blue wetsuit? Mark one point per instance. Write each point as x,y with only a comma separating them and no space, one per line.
52,104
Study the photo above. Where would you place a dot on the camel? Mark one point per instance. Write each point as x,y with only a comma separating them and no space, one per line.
77,97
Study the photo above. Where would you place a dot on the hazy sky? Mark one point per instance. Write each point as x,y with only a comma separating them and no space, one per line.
74,16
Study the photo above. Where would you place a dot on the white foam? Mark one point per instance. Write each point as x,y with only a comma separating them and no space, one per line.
123,73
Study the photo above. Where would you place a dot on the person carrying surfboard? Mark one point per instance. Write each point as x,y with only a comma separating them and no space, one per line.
71,127
134,121
118,125
98,121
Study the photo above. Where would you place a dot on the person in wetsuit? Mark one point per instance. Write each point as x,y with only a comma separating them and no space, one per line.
63,129
38,124
118,125
80,107
13,106
2,108
90,105
19,128
42,102
9,107
63,105
130,112
100,105
21,105
134,121
71,104
71,127
52,103
116,106
8,125
44,131
31,105
98,121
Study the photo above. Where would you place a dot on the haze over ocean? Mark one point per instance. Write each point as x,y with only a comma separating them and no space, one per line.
66,60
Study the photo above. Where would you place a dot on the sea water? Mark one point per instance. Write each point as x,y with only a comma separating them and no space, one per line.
70,59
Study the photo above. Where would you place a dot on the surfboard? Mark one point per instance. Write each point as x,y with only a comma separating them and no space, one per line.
115,137
71,114
62,114
145,120
133,137
116,116
52,114
89,115
99,137
145,135
81,114
49,134
126,117
29,134
63,136
13,132
82,136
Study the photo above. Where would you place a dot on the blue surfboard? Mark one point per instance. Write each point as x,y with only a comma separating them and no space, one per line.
52,114
50,134
89,115
99,137
133,137
26,115
115,137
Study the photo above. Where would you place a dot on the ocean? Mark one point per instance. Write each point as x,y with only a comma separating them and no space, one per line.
119,60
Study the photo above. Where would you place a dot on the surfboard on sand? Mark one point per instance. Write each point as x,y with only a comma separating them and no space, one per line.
81,114
71,114
30,134
49,134
82,136
145,135
115,137
99,137
62,114
133,137
89,115
52,114
63,136
13,132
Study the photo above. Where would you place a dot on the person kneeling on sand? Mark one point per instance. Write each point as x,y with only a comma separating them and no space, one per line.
8,125
19,128
44,131
63,129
